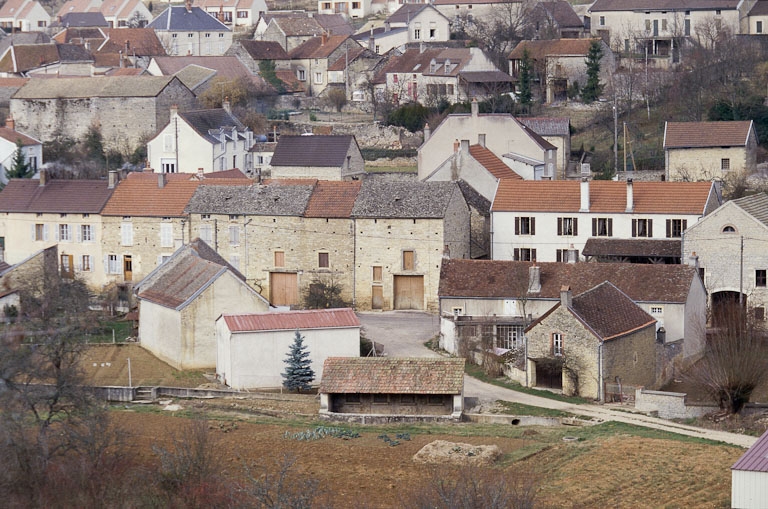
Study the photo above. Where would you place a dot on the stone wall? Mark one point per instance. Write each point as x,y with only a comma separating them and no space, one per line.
632,358
396,404
669,405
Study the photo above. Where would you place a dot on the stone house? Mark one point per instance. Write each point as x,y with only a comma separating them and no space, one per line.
430,75
38,214
590,339
423,21
326,157
661,29
238,13
24,16
351,72
559,64
555,20
392,388
211,140
181,299
519,146
749,475
709,150
252,347
382,243
557,131
187,30
125,13
728,249
10,139
125,108
251,53
542,221
311,59
144,223
498,299
463,13
292,29
37,274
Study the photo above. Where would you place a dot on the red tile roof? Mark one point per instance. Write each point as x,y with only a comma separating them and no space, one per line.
545,48
318,47
707,134
139,41
13,136
604,196
333,199
756,458
56,196
382,375
293,320
141,195
492,163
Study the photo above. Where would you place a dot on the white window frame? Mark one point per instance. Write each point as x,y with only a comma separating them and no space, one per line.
86,233
166,234
126,234
65,232
234,235
557,344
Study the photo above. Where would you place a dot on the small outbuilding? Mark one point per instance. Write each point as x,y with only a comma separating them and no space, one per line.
385,387
252,348
749,477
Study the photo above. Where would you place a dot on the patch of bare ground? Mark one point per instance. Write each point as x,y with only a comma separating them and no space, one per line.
615,471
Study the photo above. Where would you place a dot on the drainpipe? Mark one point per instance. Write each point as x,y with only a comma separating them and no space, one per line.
600,390
245,233
354,263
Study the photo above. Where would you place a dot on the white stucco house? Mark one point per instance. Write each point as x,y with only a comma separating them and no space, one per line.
24,16
214,140
251,347
543,220
180,300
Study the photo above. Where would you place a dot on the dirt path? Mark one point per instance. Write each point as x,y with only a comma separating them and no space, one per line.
404,334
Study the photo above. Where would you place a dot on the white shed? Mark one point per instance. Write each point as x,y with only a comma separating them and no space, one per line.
749,477
251,348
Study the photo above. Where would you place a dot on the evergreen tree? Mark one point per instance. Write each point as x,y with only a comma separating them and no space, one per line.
298,375
592,89
526,77
20,168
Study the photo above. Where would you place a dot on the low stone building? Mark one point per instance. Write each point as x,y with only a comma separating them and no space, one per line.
181,299
126,109
392,388
251,348
317,157
593,338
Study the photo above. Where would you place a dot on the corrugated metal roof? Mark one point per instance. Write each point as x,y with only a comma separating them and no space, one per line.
293,320
756,458
382,375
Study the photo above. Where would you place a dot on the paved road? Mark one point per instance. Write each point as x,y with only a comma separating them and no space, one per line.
403,334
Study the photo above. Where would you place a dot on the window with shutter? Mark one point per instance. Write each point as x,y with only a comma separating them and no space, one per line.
408,260
234,235
279,258
377,274
166,235
126,234
323,261
206,233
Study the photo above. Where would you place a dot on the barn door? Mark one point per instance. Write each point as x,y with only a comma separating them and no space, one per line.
409,292
283,288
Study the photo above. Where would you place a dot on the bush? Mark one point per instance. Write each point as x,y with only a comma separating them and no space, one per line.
371,154
412,116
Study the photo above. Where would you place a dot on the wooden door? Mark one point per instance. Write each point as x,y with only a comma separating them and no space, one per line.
283,288
127,268
377,297
67,267
409,292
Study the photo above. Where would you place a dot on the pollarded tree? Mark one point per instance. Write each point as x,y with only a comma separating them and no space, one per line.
592,89
299,374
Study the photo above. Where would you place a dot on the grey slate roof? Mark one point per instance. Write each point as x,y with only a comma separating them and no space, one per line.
609,312
317,150
264,50
81,19
427,200
755,205
662,5
408,11
72,88
73,53
759,9
548,126
251,200
664,248
178,19
205,121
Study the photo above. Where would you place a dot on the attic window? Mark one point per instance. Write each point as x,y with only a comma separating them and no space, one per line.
729,229
234,217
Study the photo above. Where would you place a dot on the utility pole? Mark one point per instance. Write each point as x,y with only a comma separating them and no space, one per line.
615,135
741,273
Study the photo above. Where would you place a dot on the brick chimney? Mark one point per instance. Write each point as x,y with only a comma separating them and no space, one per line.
630,196
566,298
43,178
114,177
10,123
323,38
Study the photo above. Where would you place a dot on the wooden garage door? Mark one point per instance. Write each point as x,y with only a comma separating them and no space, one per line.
283,288
409,292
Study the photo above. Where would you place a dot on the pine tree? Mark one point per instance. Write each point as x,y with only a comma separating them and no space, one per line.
298,375
592,89
20,168
526,78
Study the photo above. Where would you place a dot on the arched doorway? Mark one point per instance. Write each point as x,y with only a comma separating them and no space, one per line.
726,304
